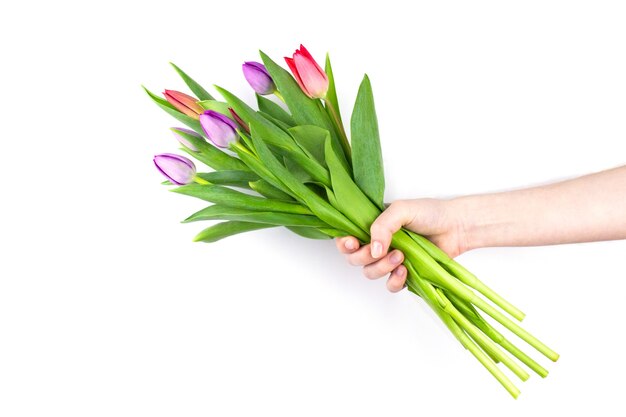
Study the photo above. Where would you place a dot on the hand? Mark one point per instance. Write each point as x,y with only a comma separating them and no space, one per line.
438,220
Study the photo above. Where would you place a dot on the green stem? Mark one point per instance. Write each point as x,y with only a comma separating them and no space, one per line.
334,114
280,96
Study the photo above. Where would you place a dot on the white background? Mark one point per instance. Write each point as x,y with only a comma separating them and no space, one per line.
108,308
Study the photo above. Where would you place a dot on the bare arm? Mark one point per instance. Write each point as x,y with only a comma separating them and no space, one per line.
585,209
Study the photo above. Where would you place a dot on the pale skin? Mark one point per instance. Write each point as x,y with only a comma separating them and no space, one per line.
585,209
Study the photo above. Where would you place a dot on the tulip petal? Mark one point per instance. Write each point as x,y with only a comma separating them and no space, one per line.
259,79
316,82
220,129
176,168
292,66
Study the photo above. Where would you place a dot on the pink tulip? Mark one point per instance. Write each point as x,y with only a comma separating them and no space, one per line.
183,103
309,75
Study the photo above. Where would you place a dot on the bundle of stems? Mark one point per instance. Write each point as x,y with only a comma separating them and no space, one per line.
296,168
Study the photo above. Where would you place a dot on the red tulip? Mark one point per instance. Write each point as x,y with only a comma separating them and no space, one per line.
183,103
309,75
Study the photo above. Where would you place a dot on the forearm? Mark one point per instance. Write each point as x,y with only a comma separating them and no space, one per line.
585,209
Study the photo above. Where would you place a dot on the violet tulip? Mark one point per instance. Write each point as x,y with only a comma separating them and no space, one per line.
177,169
259,79
183,140
183,103
220,129
309,75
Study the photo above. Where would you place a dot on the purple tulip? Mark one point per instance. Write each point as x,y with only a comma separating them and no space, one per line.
183,140
178,169
258,78
218,128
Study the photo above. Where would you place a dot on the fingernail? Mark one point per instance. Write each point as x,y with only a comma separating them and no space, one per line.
401,271
349,244
377,249
396,257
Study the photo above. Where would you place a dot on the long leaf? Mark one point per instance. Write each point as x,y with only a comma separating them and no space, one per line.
228,197
314,202
312,139
197,89
218,106
367,160
269,191
167,107
349,198
229,177
268,106
221,212
331,95
309,232
226,229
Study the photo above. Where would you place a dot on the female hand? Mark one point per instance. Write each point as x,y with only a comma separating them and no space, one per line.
437,220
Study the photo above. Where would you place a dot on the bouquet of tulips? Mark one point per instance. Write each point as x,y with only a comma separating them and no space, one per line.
291,164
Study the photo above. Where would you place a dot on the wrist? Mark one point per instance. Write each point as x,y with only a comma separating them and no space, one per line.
470,222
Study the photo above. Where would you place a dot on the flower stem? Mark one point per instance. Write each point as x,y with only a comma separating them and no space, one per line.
334,114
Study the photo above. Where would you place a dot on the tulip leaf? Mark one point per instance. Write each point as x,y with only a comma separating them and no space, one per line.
226,229
197,89
229,197
297,171
348,197
268,130
221,212
312,139
218,106
162,103
304,110
309,232
229,177
367,160
269,191
279,123
308,197
331,95
268,106
252,161
210,155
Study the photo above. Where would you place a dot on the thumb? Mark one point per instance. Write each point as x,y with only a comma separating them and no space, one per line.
398,214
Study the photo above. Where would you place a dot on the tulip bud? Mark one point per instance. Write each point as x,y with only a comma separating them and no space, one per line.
258,78
178,169
309,75
183,103
181,132
218,128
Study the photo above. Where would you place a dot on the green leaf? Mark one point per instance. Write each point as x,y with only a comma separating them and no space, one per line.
302,161
197,89
168,108
349,199
268,190
312,139
284,126
304,110
228,197
309,232
218,106
221,212
367,160
331,95
252,161
269,131
211,155
314,202
235,178
226,229
268,106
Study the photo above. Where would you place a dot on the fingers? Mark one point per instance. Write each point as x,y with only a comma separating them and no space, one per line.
383,266
390,221
347,244
397,279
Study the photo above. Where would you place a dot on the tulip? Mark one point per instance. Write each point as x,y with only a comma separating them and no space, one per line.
178,169
183,140
258,78
309,75
220,129
183,103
